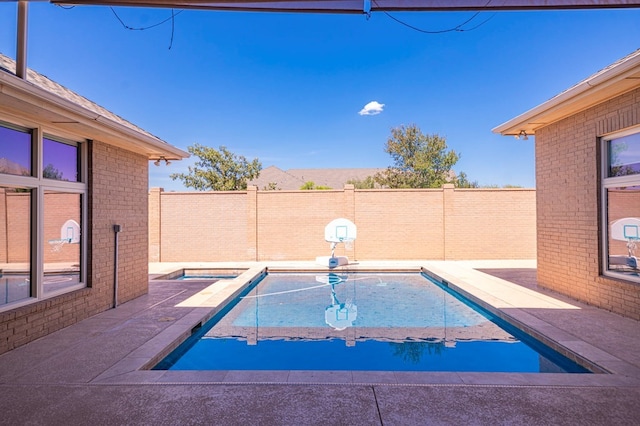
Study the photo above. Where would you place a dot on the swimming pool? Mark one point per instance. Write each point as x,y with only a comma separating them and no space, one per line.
360,321
201,274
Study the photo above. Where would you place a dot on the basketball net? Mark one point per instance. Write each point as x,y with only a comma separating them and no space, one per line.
56,245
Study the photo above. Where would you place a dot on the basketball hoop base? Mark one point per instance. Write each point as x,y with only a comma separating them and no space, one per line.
332,262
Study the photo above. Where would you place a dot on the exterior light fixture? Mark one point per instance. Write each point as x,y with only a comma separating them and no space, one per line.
161,159
522,135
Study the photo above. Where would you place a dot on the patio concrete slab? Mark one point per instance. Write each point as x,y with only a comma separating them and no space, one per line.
90,373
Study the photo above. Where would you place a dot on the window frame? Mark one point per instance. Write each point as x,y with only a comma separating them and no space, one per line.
38,186
607,183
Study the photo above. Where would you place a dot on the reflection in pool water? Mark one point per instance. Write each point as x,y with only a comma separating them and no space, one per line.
16,287
385,322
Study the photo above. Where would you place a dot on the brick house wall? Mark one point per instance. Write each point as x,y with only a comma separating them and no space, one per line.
118,195
446,223
568,222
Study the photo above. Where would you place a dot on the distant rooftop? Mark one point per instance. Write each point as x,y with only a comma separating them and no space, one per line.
293,179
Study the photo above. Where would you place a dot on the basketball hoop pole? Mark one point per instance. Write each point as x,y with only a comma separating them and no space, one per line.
333,248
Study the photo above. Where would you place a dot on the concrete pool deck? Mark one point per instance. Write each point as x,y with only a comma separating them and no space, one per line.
89,373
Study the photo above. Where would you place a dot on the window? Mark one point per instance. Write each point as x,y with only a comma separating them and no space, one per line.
15,151
61,242
621,205
42,213
60,160
15,223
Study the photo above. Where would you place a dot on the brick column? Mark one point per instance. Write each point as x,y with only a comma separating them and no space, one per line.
447,208
155,216
350,213
252,222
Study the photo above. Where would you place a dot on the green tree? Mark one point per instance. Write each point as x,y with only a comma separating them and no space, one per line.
366,183
310,185
218,170
50,172
419,160
461,181
616,168
271,186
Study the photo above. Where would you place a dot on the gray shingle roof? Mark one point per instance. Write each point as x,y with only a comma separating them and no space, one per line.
293,179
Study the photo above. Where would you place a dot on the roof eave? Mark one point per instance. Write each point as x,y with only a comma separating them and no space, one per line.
613,81
82,121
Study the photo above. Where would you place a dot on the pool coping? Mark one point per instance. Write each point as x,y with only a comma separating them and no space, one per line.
463,277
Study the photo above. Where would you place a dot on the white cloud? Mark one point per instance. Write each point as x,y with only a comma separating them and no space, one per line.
372,108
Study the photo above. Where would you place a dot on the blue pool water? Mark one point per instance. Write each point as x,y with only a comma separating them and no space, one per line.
201,274
205,277
381,322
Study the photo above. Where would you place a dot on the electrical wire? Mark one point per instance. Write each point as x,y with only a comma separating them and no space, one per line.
173,15
171,18
457,28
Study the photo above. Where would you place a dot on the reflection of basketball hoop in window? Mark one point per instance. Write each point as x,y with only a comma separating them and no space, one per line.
56,245
628,230
69,234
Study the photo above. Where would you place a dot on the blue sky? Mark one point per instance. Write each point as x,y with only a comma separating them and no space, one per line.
288,88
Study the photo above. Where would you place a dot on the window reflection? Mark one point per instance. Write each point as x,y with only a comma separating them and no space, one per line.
15,152
60,161
62,212
623,212
15,236
624,156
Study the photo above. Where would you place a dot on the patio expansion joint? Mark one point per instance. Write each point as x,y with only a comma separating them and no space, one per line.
351,384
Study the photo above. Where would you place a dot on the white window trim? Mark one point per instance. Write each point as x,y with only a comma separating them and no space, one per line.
607,183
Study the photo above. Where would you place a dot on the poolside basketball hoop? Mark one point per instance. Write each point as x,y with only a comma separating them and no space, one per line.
336,232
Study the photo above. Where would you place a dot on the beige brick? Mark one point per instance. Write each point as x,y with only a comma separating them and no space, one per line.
567,205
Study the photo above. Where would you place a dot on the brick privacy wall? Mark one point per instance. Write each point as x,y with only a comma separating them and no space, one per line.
291,224
119,183
202,226
482,223
400,224
452,224
154,225
567,164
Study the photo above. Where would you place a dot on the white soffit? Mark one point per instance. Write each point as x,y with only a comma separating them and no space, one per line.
614,80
